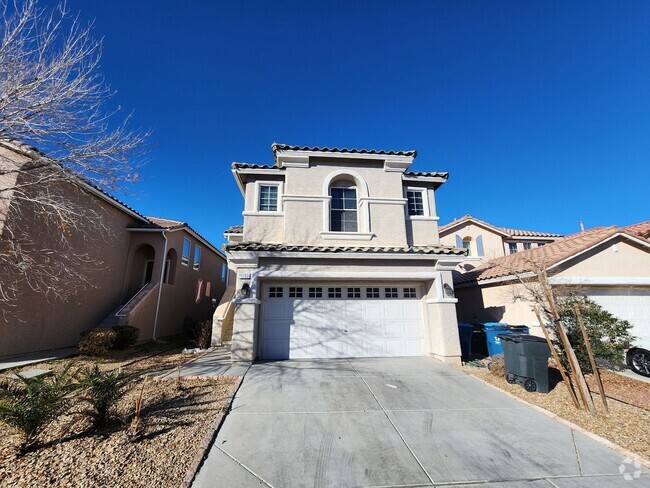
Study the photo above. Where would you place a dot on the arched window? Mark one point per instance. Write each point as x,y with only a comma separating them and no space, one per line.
170,267
343,206
467,244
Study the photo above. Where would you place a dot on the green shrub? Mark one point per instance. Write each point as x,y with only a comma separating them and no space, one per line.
102,390
29,405
97,342
609,335
126,336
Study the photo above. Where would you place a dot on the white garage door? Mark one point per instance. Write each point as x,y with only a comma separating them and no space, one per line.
631,304
338,321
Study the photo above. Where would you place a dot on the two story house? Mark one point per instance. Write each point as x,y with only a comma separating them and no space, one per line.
127,269
339,256
484,241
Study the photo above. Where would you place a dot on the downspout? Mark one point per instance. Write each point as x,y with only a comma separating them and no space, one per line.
160,285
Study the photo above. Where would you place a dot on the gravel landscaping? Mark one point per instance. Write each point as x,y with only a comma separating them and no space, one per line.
175,422
623,425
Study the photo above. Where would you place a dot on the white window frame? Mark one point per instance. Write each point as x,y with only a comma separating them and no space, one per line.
425,203
256,198
363,214
510,248
186,261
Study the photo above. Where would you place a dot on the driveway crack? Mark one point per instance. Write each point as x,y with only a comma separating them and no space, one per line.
393,424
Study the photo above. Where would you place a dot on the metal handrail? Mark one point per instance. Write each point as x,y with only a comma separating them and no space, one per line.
118,314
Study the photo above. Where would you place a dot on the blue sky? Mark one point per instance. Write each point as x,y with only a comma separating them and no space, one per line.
539,110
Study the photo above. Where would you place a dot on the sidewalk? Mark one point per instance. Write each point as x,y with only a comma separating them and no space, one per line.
36,357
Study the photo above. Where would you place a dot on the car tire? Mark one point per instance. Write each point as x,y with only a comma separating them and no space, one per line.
639,361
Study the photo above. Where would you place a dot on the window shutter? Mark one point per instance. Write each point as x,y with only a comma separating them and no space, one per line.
479,246
459,242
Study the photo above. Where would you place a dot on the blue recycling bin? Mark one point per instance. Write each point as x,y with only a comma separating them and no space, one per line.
465,335
492,332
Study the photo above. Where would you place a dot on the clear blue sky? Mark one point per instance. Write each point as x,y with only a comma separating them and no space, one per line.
538,110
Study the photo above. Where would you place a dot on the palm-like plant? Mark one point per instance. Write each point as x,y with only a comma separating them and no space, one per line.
102,391
29,405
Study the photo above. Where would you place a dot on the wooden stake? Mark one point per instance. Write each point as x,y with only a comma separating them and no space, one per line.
592,360
556,358
583,389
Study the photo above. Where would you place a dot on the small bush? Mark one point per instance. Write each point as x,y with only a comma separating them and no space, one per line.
609,335
29,405
199,332
97,342
102,391
127,335
497,365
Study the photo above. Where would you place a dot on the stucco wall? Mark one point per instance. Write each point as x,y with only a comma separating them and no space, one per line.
494,304
178,300
35,321
492,243
616,258
302,221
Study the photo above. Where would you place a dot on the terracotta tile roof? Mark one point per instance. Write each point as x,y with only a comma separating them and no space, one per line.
502,230
254,166
167,223
439,174
548,255
257,246
234,229
287,147
642,229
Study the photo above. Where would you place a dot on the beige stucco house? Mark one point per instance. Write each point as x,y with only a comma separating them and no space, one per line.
484,241
338,256
611,265
147,272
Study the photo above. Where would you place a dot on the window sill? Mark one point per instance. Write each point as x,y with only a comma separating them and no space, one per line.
423,217
351,236
256,214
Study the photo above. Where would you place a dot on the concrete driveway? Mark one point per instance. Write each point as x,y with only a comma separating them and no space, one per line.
398,423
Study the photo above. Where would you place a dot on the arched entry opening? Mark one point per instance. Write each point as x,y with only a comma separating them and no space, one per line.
142,268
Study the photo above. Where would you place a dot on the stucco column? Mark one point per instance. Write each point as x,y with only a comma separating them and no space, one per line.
244,333
444,343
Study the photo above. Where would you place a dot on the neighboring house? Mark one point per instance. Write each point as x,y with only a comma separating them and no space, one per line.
338,256
485,241
611,265
128,255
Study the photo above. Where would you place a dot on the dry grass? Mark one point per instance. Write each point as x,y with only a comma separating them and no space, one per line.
623,425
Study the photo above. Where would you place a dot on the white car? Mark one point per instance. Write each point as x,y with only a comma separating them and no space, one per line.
638,356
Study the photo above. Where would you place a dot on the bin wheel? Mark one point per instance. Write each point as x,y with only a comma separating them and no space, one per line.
510,378
530,385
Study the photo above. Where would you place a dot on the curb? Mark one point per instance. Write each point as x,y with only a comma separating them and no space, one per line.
209,437
621,450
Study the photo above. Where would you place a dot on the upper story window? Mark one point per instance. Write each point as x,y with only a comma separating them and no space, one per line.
415,202
467,244
512,247
197,258
527,245
268,198
185,259
540,244
343,210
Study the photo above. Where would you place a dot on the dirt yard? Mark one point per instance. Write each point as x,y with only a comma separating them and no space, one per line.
623,425
175,420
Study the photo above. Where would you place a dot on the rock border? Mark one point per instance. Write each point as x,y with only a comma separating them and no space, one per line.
601,440
209,437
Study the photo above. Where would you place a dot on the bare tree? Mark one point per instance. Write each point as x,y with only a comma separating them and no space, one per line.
57,134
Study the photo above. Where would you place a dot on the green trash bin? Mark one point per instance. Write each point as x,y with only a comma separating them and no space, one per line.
526,357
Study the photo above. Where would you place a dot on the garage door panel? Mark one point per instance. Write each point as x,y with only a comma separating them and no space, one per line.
631,304
393,329
340,322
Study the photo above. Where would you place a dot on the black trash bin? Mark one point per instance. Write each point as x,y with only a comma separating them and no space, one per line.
479,341
526,357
